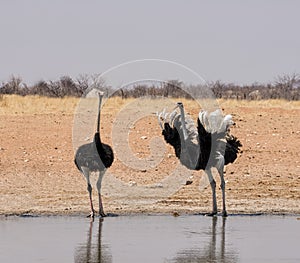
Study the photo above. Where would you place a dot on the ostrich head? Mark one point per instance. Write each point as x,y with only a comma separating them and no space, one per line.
100,93
179,105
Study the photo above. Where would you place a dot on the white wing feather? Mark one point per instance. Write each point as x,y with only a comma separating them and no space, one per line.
214,121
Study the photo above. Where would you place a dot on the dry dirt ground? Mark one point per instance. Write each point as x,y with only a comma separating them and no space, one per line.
38,175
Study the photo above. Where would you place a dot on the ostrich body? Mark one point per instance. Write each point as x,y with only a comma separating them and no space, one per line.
94,157
204,147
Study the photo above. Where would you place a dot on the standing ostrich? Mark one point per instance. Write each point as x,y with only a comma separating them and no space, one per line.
209,145
94,157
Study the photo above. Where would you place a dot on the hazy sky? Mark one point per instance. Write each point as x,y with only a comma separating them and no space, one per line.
232,41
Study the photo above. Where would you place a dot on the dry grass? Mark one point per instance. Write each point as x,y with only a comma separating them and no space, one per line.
260,103
14,104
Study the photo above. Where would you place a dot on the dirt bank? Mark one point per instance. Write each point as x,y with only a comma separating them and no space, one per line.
37,173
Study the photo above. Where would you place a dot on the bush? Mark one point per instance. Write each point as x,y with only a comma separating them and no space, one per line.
285,87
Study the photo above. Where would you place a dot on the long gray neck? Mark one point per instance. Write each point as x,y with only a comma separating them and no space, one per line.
99,111
185,135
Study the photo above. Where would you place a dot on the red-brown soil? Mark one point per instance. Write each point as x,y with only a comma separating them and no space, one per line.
38,175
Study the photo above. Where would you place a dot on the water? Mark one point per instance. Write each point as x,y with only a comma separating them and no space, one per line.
150,239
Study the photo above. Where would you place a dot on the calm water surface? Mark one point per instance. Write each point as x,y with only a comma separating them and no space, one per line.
150,239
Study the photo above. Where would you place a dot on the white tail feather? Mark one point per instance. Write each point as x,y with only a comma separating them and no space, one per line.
175,120
165,117
201,117
226,123
172,116
214,121
159,119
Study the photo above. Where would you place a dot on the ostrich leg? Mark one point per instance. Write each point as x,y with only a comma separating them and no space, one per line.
223,193
213,189
86,173
220,168
101,211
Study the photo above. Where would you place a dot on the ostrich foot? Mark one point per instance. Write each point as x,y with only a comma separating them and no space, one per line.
101,210
91,214
224,214
102,214
211,214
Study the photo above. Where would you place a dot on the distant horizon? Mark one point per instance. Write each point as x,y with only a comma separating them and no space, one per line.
29,84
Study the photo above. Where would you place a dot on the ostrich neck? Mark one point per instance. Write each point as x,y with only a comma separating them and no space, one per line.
183,123
99,113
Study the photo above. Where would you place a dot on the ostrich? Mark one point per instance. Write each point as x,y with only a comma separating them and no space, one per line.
94,157
202,148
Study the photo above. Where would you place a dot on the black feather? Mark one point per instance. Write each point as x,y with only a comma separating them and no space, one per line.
207,154
105,151
172,137
232,149
205,146
96,156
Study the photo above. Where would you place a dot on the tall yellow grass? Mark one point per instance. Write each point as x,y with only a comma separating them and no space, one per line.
279,103
14,104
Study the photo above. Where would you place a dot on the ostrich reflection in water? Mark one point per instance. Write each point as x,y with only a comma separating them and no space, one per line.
93,251
213,251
